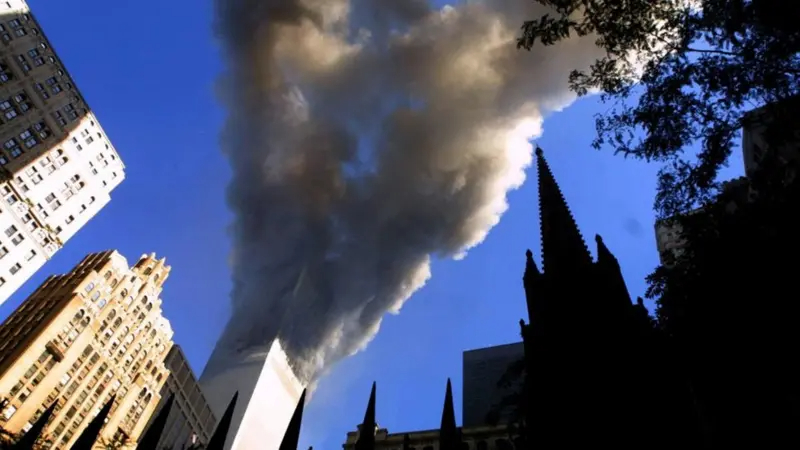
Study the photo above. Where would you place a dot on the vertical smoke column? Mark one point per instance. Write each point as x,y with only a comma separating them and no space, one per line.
365,137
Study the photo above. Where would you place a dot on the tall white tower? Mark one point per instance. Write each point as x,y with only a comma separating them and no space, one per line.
57,166
268,392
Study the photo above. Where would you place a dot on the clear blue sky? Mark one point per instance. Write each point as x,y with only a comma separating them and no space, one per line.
147,69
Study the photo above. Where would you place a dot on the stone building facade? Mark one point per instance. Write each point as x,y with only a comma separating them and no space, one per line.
82,337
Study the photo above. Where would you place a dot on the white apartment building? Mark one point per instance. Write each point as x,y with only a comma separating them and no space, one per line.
57,167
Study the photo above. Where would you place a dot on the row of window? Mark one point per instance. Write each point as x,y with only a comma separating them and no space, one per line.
13,106
26,140
16,30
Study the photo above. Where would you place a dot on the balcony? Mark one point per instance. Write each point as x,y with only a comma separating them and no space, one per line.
56,349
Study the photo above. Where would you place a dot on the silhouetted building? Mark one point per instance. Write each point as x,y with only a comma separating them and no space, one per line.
483,369
481,437
669,240
57,165
754,149
754,143
597,371
190,419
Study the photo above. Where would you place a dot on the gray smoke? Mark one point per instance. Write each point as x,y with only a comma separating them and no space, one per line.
367,137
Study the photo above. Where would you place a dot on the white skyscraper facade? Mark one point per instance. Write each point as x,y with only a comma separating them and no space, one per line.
57,167
268,393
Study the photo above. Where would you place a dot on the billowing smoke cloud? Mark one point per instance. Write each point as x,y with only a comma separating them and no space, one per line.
367,137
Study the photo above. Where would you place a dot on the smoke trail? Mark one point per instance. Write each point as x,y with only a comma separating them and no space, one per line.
365,138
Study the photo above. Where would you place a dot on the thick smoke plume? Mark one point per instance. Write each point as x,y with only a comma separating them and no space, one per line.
367,137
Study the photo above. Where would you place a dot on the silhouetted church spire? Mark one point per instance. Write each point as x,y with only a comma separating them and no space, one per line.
151,437
366,431
87,439
563,247
448,431
292,435
217,441
28,441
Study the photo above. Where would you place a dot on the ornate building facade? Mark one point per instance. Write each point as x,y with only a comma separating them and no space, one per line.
82,338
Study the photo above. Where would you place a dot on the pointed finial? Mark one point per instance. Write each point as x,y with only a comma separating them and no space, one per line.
28,441
366,435
563,247
448,431
292,435
87,439
153,434
217,441
530,265
603,253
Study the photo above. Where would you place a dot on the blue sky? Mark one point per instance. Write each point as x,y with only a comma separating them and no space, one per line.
147,69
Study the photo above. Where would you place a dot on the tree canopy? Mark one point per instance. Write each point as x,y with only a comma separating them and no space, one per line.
680,75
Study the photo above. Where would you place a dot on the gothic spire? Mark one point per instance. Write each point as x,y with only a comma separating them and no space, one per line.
28,441
292,435
217,441
87,439
366,435
531,271
150,439
448,431
563,247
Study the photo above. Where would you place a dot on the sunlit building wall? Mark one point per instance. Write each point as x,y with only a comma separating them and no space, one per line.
82,337
57,166
268,393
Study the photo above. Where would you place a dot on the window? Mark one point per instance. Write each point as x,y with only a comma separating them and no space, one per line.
89,287
15,268
28,138
5,74
12,146
11,199
101,303
70,219
9,412
3,252
30,255
18,239
11,230
59,118
96,295
42,130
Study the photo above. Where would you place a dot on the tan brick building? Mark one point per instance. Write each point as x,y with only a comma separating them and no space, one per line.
82,337
57,166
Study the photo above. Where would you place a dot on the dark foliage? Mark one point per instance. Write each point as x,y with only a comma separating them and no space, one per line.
680,78
729,304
